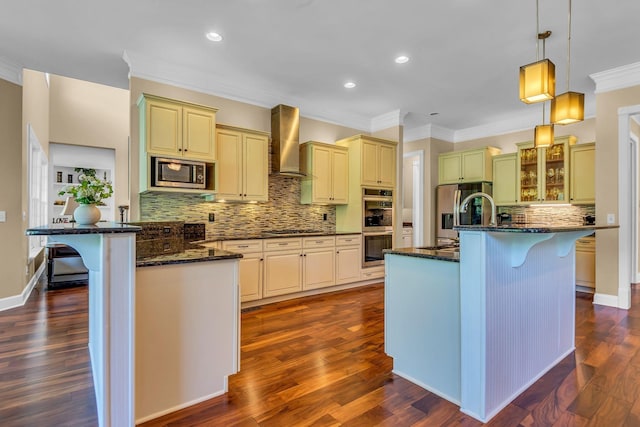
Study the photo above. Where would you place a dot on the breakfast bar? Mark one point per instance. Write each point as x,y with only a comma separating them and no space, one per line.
480,326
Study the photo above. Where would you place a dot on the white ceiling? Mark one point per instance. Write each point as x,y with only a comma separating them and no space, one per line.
465,54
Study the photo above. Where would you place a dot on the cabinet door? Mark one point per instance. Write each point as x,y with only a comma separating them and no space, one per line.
250,272
347,264
370,163
554,173
256,167
449,168
527,182
504,180
163,128
387,171
229,164
585,265
282,272
321,167
319,268
583,182
199,134
473,166
340,179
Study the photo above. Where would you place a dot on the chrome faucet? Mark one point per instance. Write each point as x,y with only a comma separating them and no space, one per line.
465,203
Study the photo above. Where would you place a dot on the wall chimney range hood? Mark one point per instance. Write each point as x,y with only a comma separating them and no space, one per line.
285,133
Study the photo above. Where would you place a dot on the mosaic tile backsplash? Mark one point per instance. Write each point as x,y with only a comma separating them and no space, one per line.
562,215
283,211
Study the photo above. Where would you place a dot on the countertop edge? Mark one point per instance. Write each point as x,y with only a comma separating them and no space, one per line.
532,228
71,229
424,253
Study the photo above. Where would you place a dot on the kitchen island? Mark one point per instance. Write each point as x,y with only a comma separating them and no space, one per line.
480,327
163,327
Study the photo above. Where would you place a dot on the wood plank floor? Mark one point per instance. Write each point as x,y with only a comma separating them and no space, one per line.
316,361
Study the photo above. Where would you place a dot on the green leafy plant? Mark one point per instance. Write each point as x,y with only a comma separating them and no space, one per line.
90,190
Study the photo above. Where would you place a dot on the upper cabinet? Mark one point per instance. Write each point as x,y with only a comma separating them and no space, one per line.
177,129
583,167
466,166
374,158
242,164
505,169
327,173
544,172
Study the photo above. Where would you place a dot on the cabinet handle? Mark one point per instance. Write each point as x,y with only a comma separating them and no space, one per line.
337,252
261,259
283,244
185,149
179,149
243,246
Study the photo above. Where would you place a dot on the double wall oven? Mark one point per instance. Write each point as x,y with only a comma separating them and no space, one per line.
377,225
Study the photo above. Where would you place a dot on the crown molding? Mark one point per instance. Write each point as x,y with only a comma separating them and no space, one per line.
387,120
617,78
429,131
160,71
10,71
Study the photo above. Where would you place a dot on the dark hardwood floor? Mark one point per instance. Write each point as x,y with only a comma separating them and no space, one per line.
316,361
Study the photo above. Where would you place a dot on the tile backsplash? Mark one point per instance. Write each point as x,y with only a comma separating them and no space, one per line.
551,214
282,211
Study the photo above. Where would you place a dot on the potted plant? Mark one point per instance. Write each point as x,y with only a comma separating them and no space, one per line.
89,192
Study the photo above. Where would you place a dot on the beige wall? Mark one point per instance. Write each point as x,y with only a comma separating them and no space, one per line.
230,112
607,105
93,115
12,261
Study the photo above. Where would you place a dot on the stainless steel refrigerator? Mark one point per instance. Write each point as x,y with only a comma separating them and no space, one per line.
478,211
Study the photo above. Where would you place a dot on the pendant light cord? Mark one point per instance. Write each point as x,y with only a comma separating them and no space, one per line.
568,47
537,31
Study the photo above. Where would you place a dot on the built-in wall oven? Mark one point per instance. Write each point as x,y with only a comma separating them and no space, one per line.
377,225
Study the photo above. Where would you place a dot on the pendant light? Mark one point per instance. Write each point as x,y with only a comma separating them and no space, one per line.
543,135
538,79
568,107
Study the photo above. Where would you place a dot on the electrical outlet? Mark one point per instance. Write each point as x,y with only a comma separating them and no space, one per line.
3,216
212,217
324,216
611,218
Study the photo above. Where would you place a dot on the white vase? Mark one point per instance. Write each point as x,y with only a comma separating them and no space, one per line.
86,214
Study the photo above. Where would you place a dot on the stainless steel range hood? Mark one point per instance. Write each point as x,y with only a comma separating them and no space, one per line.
285,125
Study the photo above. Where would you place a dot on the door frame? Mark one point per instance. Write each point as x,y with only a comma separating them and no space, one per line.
418,196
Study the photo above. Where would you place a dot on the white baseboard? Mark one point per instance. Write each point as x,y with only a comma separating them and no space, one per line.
181,406
605,299
19,300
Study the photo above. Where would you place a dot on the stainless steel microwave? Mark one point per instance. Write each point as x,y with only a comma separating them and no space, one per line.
178,173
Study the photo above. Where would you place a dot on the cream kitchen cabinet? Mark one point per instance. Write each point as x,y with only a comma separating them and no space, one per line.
583,174
327,173
243,164
318,262
544,172
177,129
348,258
371,160
505,192
251,271
586,262
282,266
466,166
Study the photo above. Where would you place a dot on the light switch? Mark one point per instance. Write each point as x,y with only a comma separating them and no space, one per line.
3,216
611,218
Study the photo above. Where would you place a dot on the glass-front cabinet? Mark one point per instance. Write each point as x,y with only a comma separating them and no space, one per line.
544,172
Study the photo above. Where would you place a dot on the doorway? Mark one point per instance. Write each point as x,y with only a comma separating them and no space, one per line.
413,193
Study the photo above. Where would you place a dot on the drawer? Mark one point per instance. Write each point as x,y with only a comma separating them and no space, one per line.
318,242
349,240
372,273
282,244
243,246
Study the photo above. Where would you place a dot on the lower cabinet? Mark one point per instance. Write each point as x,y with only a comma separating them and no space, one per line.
586,262
282,272
318,262
347,259
251,271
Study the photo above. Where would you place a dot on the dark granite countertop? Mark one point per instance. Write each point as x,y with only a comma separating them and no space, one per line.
433,252
73,228
532,228
189,253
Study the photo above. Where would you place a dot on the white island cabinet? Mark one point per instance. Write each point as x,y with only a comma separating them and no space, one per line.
479,327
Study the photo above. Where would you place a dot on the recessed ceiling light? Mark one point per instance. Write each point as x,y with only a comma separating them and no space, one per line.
214,37
349,85
402,59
